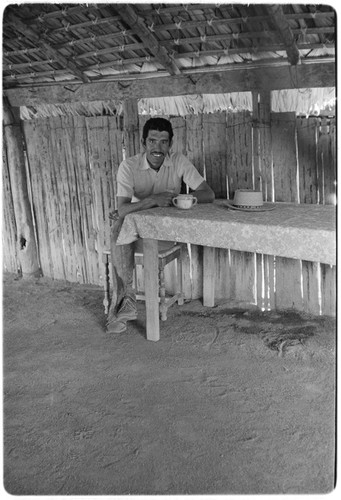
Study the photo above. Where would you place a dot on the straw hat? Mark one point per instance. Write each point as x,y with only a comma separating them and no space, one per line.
248,200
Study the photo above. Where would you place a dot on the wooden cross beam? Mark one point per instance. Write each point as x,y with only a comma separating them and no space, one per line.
138,26
45,47
282,25
271,77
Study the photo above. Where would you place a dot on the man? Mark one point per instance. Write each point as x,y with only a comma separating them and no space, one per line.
147,180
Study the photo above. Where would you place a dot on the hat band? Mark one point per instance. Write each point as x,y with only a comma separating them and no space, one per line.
248,206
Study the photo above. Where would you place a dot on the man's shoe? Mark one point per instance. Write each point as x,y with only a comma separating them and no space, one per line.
128,310
116,326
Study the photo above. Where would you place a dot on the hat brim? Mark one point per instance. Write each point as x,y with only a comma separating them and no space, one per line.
263,208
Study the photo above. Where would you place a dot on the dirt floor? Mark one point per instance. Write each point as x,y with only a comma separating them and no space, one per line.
231,400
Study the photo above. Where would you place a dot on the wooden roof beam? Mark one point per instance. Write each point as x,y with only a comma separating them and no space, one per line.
139,28
270,77
45,47
282,25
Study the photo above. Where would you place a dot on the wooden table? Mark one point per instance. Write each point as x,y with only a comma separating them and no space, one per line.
306,232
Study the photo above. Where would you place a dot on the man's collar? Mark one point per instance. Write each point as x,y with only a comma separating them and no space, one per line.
144,165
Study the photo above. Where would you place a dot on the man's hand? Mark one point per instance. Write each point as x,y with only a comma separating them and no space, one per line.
163,199
125,206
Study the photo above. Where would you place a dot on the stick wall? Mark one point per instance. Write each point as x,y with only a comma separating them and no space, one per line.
73,161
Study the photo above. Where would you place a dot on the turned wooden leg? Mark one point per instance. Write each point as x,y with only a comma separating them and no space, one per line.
163,308
106,300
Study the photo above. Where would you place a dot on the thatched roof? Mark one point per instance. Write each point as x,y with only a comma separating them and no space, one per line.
53,42
157,50
301,101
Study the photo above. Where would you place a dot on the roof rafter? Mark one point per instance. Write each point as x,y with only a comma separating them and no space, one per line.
45,47
260,77
137,25
285,32
62,44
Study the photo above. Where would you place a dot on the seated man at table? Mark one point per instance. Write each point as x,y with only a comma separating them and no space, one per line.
147,180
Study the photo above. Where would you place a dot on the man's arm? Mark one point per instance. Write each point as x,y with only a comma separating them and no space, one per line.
192,177
204,193
125,207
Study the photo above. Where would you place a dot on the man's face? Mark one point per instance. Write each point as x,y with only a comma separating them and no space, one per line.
156,147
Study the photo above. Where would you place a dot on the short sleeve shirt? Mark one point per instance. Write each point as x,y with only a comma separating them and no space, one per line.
137,180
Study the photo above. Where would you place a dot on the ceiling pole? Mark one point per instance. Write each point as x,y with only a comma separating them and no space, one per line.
138,26
287,36
45,47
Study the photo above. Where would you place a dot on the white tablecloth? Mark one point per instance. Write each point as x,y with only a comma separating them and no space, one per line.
306,232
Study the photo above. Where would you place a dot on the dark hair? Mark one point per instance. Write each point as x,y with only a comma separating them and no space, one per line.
160,124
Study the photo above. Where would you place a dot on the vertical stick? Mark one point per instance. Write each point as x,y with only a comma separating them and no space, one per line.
310,280
243,275
307,159
283,134
216,147
194,138
131,127
257,180
209,276
222,285
265,173
328,290
288,284
150,253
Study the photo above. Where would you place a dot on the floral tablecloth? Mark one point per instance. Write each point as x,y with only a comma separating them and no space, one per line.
306,232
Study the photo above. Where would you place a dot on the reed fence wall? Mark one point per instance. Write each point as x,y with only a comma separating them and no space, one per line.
72,163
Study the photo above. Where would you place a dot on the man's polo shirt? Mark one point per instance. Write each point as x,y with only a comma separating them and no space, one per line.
137,180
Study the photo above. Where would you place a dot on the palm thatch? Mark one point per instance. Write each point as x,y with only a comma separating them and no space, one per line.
176,59
306,102
60,42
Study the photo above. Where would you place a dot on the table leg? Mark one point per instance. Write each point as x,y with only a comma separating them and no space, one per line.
151,285
208,276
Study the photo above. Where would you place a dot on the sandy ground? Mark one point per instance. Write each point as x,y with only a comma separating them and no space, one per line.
230,400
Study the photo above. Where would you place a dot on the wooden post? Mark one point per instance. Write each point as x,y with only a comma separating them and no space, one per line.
256,142
262,144
150,257
26,243
131,127
209,277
